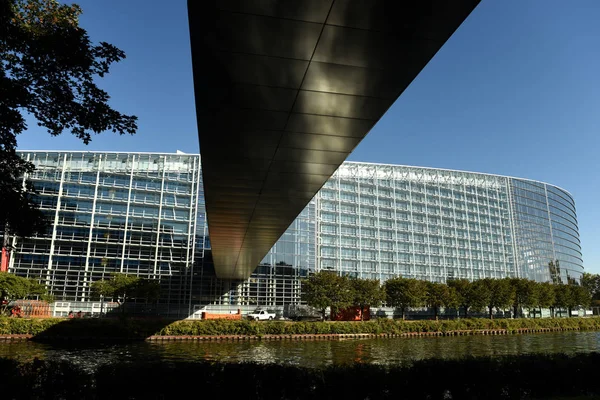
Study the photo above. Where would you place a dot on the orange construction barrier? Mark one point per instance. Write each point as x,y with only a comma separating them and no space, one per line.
351,314
33,308
237,316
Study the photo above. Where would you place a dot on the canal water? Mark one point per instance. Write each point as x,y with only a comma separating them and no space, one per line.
307,353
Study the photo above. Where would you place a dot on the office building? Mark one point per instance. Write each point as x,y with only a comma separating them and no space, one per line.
143,214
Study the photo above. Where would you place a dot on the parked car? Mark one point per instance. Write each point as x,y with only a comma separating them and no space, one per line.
261,315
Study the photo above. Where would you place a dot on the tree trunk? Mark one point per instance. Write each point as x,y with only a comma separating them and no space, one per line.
362,313
435,312
466,311
515,310
491,309
323,314
403,313
569,309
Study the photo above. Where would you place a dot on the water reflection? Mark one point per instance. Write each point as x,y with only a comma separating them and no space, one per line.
308,353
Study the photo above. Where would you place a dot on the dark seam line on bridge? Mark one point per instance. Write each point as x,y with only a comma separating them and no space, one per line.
312,133
404,33
245,53
298,113
309,90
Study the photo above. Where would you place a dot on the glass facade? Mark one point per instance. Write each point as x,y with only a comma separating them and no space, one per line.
112,212
545,229
144,214
380,221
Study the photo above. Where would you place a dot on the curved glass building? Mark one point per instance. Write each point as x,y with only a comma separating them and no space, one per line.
378,221
143,214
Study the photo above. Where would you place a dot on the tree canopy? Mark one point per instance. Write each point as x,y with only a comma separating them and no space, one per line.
366,293
439,295
327,289
546,296
591,282
570,296
48,70
468,295
122,287
13,287
405,293
525,294
500,294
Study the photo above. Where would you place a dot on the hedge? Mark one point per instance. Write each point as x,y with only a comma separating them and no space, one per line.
132,328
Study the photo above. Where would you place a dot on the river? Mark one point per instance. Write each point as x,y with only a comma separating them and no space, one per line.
307,353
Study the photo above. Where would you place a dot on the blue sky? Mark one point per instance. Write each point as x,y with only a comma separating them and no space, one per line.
515,91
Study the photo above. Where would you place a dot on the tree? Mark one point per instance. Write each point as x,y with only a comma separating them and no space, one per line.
480,295
469,295
581,296
500,294
148,289
404,293
439,295
564,297
123,287
546,296
570,297
591,282
13,287
525,293
48,69
326,289
366,293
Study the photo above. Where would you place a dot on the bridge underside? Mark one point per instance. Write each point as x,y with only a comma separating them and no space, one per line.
285,90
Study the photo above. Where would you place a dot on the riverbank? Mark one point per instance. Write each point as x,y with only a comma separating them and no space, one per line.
159,329
540,376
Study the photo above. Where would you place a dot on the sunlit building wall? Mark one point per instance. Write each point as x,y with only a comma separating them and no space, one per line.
113,212
143,214
379,221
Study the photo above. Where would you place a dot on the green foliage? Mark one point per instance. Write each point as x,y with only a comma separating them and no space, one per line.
26,326
13,287
404,293
591,282
479,295
488,293
121,287
366,293
469,295
525,294
581,296
571,296
500,293
563,296
326,289
58,328
462,290
546,295
48,70
439,295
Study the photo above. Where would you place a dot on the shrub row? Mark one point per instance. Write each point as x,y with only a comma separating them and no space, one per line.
383,326
142,328
50,328
540,376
